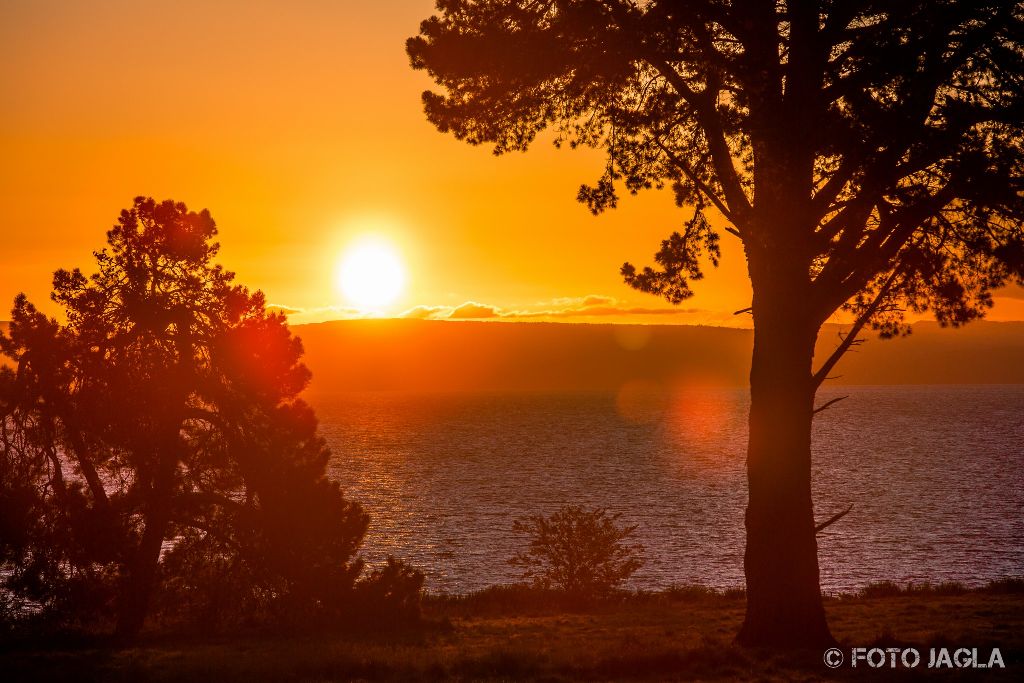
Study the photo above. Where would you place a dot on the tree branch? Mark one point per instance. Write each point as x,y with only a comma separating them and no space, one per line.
828,404
824,197
721,157
881,246
858,325
700,184
818,528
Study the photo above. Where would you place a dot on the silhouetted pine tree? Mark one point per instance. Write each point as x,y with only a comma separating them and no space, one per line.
867,154
163,421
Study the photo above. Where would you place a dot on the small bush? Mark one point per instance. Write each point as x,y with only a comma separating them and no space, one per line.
391,594
584,553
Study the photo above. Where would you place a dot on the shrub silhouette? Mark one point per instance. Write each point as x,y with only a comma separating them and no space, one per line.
583,552
389,595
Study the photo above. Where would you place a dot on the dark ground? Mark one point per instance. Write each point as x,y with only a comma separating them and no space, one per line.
509,634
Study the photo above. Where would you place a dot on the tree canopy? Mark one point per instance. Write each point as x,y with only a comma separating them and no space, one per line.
901,186
156,443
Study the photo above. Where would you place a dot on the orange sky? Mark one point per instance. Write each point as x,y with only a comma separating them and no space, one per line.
299,126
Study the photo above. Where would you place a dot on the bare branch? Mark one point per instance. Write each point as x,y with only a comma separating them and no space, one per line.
858,325
832,520
828,404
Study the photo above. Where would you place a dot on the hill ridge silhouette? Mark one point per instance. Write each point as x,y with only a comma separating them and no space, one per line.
425,355
395,354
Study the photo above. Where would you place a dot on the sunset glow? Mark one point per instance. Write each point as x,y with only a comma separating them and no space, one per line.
577,340
267,169
371,275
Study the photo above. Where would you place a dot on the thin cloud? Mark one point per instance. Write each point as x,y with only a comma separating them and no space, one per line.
596,305
283,310
427,312
621,310
474,310
298,315
577,301
597,300
590,306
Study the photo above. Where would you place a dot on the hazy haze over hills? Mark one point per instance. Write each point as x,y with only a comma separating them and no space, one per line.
434,355
419,355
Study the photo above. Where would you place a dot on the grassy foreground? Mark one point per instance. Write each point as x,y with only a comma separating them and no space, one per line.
515,634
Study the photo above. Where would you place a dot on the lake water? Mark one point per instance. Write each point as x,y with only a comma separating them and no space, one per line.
934,474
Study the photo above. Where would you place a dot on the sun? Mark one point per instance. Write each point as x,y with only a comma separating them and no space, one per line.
371,274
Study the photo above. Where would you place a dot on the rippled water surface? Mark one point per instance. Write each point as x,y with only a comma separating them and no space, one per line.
934,473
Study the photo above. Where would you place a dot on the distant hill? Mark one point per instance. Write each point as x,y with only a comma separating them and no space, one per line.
436,355
425,355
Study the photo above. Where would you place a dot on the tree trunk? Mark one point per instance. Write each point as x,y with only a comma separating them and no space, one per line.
141,572
784,606
137,589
